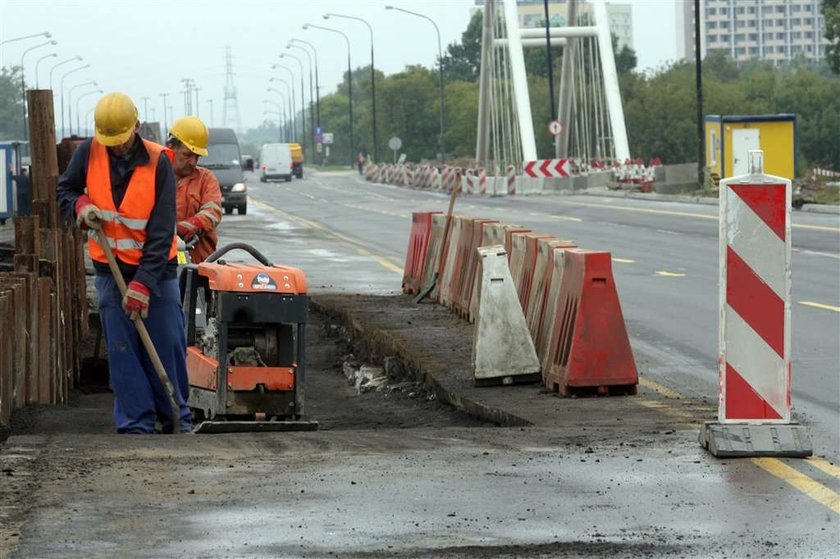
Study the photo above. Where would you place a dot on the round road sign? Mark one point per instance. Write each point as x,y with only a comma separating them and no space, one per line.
555,127
395,143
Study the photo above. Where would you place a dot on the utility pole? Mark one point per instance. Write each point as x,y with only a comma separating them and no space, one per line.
165,123
145,108
698,73
210,102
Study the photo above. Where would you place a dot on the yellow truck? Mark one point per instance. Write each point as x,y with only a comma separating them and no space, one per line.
297,160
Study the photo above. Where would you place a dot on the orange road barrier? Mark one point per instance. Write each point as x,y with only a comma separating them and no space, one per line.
538,299
473,240
543,341
589,348
453,259
492,233
415,256
433,252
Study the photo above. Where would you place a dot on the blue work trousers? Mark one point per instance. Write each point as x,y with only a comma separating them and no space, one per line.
139,396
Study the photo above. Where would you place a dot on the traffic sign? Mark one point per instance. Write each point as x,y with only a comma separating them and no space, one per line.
395,143
547,168
555,127
327,138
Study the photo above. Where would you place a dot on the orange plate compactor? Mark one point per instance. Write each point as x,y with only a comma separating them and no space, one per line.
245,326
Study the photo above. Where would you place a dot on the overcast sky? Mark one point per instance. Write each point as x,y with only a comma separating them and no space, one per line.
145,48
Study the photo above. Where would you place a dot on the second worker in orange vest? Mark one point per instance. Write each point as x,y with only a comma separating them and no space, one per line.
199,198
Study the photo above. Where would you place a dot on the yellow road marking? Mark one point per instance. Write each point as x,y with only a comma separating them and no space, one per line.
624,260
824,465
360,247
820,306
665,409
669,274
813,489
664,390
686,214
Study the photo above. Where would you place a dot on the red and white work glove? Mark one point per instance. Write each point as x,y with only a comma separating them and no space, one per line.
188,228
88,216
136,300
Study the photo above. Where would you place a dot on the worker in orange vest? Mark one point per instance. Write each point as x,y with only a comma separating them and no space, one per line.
124,186
199,197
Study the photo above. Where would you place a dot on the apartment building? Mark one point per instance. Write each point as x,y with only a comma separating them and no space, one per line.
775,30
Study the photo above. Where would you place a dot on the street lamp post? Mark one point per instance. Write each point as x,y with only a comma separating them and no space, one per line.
279,116
76,58
290,96
70,102
210,102
45,34
294,43
87,119
303,102
145,108
79,98
289,85
285,120
38,63
165,122
23,82
372,79
440,70
349,82
61,87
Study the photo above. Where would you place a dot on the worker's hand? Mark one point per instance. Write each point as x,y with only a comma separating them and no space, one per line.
88,216
188,228
136,300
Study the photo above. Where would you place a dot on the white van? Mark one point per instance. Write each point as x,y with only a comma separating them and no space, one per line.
275,162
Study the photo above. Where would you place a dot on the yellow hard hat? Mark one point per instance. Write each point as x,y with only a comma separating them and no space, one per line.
115,118
192,133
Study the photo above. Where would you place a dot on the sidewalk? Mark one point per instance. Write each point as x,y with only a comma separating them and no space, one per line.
437,345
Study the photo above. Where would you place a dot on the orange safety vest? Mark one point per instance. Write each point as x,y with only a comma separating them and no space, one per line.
125,228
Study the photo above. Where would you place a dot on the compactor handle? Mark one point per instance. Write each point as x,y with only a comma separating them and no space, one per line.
241,246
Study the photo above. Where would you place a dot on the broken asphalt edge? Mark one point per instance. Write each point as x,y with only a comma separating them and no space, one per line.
383,343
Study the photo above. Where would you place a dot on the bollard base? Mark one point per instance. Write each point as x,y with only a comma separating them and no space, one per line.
735,440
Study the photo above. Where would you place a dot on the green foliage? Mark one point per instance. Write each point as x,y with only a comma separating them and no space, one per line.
831,13
11,112
462,61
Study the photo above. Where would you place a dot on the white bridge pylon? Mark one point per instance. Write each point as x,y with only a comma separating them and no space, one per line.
505,125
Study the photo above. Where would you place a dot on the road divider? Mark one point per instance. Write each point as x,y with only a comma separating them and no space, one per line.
573,320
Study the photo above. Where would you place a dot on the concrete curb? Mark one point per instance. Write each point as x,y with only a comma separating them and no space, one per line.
383,343
831,209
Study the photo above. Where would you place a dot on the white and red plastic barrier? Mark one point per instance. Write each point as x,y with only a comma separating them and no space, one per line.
754,368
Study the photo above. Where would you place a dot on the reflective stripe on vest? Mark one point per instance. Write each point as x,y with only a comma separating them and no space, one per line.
125,228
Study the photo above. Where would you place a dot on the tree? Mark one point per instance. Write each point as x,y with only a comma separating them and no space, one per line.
11,111
462,61
831,13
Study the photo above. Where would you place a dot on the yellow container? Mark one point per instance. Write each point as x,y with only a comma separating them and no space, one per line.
729,137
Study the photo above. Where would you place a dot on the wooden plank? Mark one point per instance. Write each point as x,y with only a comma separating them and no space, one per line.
27,235
6,357
80,263
18,312
31,347
46,359
43,152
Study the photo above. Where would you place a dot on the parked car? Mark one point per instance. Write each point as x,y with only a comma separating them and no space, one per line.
225,161
275,162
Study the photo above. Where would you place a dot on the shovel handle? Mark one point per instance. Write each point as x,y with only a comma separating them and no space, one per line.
144,333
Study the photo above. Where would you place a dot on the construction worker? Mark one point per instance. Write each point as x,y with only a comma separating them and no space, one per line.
123,186
199,197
